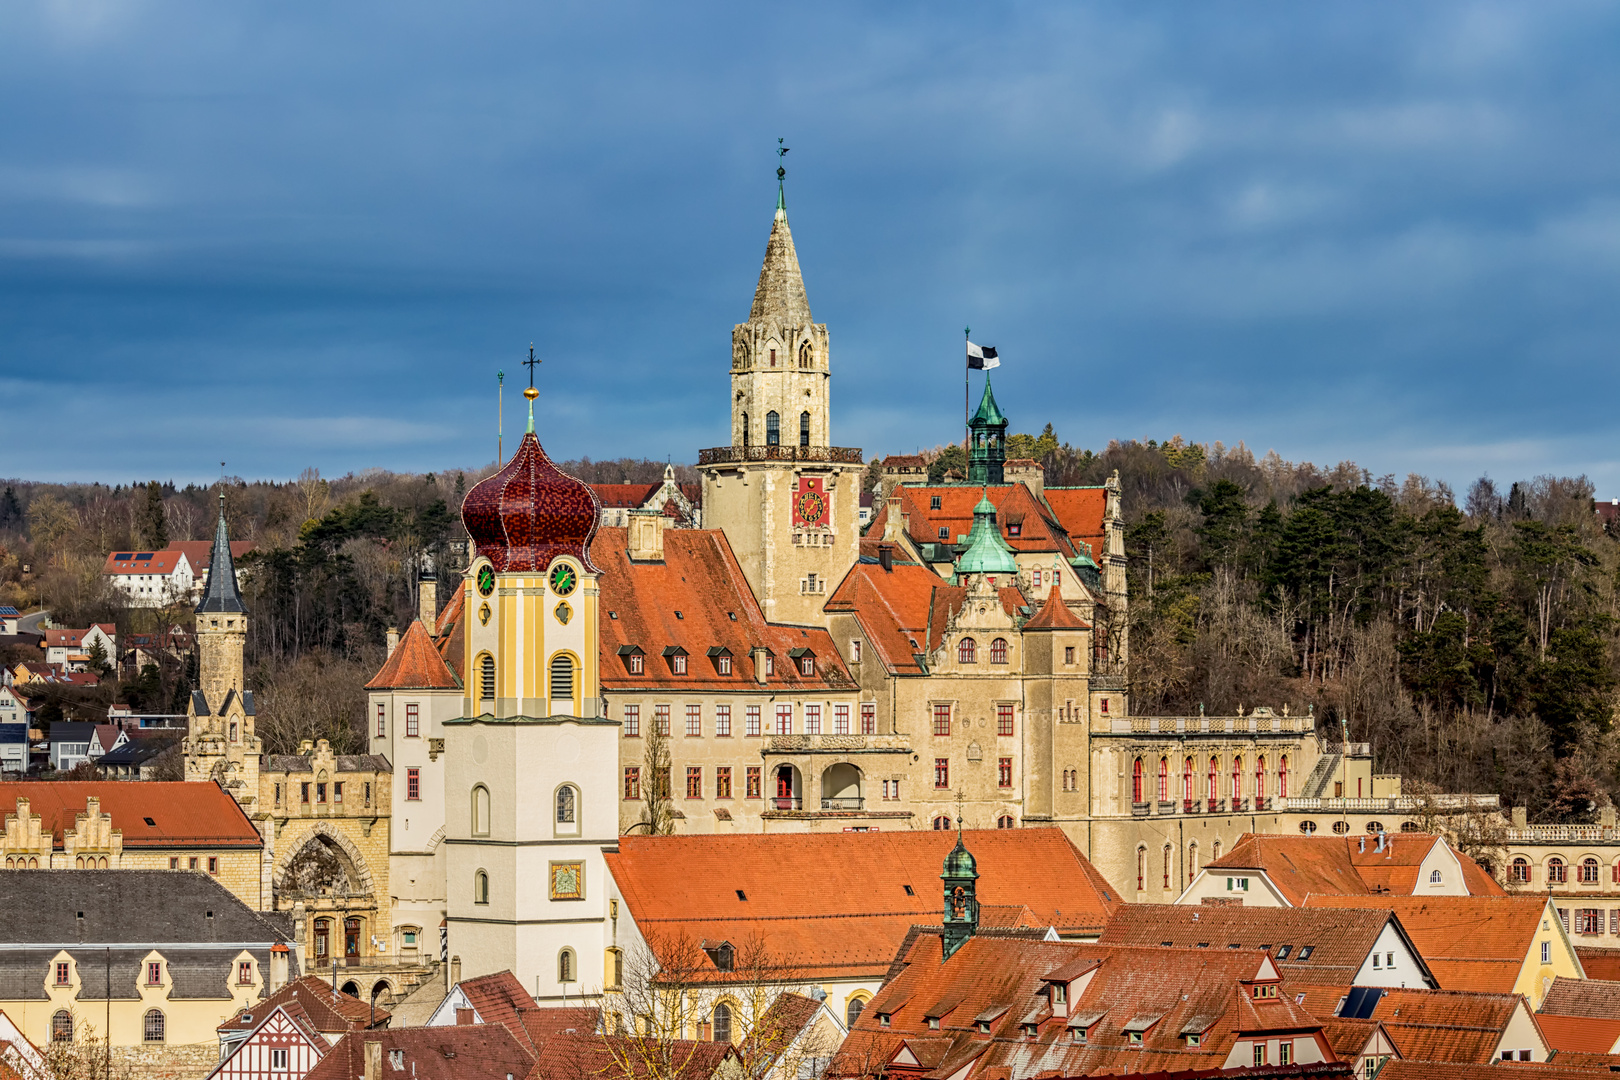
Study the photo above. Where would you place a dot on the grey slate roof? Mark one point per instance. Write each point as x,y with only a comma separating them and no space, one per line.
221,594
363,763
65,731
134,752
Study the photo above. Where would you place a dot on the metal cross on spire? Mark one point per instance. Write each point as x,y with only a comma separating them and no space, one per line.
531,362
781,174
531,393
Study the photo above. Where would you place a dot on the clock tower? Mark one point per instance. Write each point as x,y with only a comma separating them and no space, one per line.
787,500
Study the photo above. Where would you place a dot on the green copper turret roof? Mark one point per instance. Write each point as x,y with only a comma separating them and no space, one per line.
987,552
960,863
989,413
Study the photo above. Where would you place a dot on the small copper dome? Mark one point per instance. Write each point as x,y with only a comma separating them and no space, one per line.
531,512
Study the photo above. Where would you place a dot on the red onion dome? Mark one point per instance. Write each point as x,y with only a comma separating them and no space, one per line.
530,512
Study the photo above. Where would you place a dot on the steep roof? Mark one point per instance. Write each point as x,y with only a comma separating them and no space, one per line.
1579,1034
1024,523
577,1056
1599,963
1470,942
96,905
221,594
871,888
1397,1069
415,664
698,600
1301,866
904,610
1446,1025
184,813
1080,511
1340,939
780,295
1596,998
470,1052
327,1010
499,998
1055,614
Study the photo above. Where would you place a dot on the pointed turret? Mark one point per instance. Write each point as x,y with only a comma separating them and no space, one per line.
780,294
222,593
987,456
961,878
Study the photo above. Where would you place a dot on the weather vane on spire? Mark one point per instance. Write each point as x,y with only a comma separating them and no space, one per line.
531,393
781,174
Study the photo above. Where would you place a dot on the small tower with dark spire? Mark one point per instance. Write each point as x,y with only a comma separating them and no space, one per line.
987,453
220,742
961,876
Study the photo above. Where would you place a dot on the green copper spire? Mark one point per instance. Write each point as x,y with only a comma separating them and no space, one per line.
987,454
987,552
989,412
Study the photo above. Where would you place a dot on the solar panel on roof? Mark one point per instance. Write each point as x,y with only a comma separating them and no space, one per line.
144,555
123,555
1361,1001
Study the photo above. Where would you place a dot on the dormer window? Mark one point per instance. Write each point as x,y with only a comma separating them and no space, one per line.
1305,953
1030,1031
933,502
944,533
634,660
884,1019
1134,1038
1195,1040
724,664
933,1023
638,665
1078,1035
983,1027
1060,993
1015,528
677,663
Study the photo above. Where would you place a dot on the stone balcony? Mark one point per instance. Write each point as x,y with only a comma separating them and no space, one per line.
1254,724
836,744
727,455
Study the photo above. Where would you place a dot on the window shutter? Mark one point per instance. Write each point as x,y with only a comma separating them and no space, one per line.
1614,920
1563,917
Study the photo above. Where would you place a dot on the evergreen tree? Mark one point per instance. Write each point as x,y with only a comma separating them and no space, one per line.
154,525
11,515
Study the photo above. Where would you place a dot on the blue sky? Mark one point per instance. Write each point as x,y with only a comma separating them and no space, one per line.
299,234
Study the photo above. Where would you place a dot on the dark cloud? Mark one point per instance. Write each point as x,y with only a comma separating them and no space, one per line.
300,234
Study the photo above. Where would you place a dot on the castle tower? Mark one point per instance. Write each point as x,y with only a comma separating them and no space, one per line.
961,878
220,742
788,501
987,450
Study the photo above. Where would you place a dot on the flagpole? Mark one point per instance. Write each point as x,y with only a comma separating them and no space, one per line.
967,428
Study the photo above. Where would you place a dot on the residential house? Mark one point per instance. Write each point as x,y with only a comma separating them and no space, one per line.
1452,1026
139,758
128,825
12,706
286,1034
1333,946
1364,1044
173,575
10,619
14,748
72,649
37,671
70,744
194,955
682,504
729,911
1491,944
1269,870
105,739
482,1052
1428,1070
1581,1016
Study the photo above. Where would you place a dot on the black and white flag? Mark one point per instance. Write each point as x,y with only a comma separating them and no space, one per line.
982,356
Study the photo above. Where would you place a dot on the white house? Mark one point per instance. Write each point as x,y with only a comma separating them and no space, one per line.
72,648
9,617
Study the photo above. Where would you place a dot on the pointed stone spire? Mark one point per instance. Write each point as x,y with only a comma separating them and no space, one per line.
222,593
780,296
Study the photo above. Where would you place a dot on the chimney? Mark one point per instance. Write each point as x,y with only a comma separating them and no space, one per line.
1521,817
427,600
894,522
278,967
886,557
759,652
373,1061
393,639
455,970
646,540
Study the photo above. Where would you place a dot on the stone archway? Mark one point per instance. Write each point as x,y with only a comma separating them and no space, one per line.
324,862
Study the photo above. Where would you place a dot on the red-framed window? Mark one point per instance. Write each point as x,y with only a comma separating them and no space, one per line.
1237,777
869,727
694,720
1519,870
1557,871
1004,719
752,780
722,782
1167,866
812,719
1004,772
154,973
1282,777
807,665
413,784
632,783
1214,778
244,973
1588,921
382,720
998,651
1589,871
967,651
694,782
942,719
751,722
678,663
1260,777
62,974
942,772
1164,779
784,720
661,718
1187,780
213,864
638,664
1136,781
1141,868
632,721
412,722
840,719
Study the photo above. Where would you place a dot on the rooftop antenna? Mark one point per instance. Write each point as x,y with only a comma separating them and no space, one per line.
500,417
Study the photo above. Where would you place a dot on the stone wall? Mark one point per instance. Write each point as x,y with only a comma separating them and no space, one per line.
189,1061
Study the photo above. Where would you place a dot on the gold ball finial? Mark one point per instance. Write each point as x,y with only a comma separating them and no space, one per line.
531,393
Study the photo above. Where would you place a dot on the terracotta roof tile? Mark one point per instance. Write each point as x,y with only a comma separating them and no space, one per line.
1039,529
1599,963
685,889
1598,998
1055,614
1581,1034
1301,866
1446,1025
700,579
470,1052
1397,1069
1080,511
500,999
183,813
415,664
575,1057
327,1010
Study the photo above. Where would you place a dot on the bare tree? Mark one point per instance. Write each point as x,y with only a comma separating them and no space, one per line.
658,807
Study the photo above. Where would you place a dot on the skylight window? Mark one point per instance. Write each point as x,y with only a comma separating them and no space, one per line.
1305,952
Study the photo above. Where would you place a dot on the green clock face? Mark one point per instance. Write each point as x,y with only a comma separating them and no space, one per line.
563,579
486,581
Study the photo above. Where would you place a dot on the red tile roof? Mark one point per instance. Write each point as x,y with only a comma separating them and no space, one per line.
195,813
1055,614
1397,1069
1469,942
1446,1025
415,664
500,999
1580,1034
1599,963
471,1052
684,889
197,553
63,638
1039,528
577,1057
1598,998
1300,866
904,610
698,600
1080,511
327,1010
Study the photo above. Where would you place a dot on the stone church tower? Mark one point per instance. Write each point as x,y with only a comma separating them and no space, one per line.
788,501
220,742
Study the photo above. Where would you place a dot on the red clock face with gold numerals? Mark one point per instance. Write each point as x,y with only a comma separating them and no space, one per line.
809,501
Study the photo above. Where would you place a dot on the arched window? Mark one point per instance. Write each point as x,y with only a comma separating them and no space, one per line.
1519,872
233,732
152,1026
806,357
1214,778
804,429
1136,781
486,677
1589,871
852,1011
773,429
998,651
967,651
568,809
1215,851
1167,866
1164,779
1187,780
1005,821
942,823
62,1026
722,1020
1307,827
480,888
1260,777
1237,777
565,967
1192,860
1434,877
1557,872
562,676
1411,826
1141,868
1282,778
745,429
480,811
